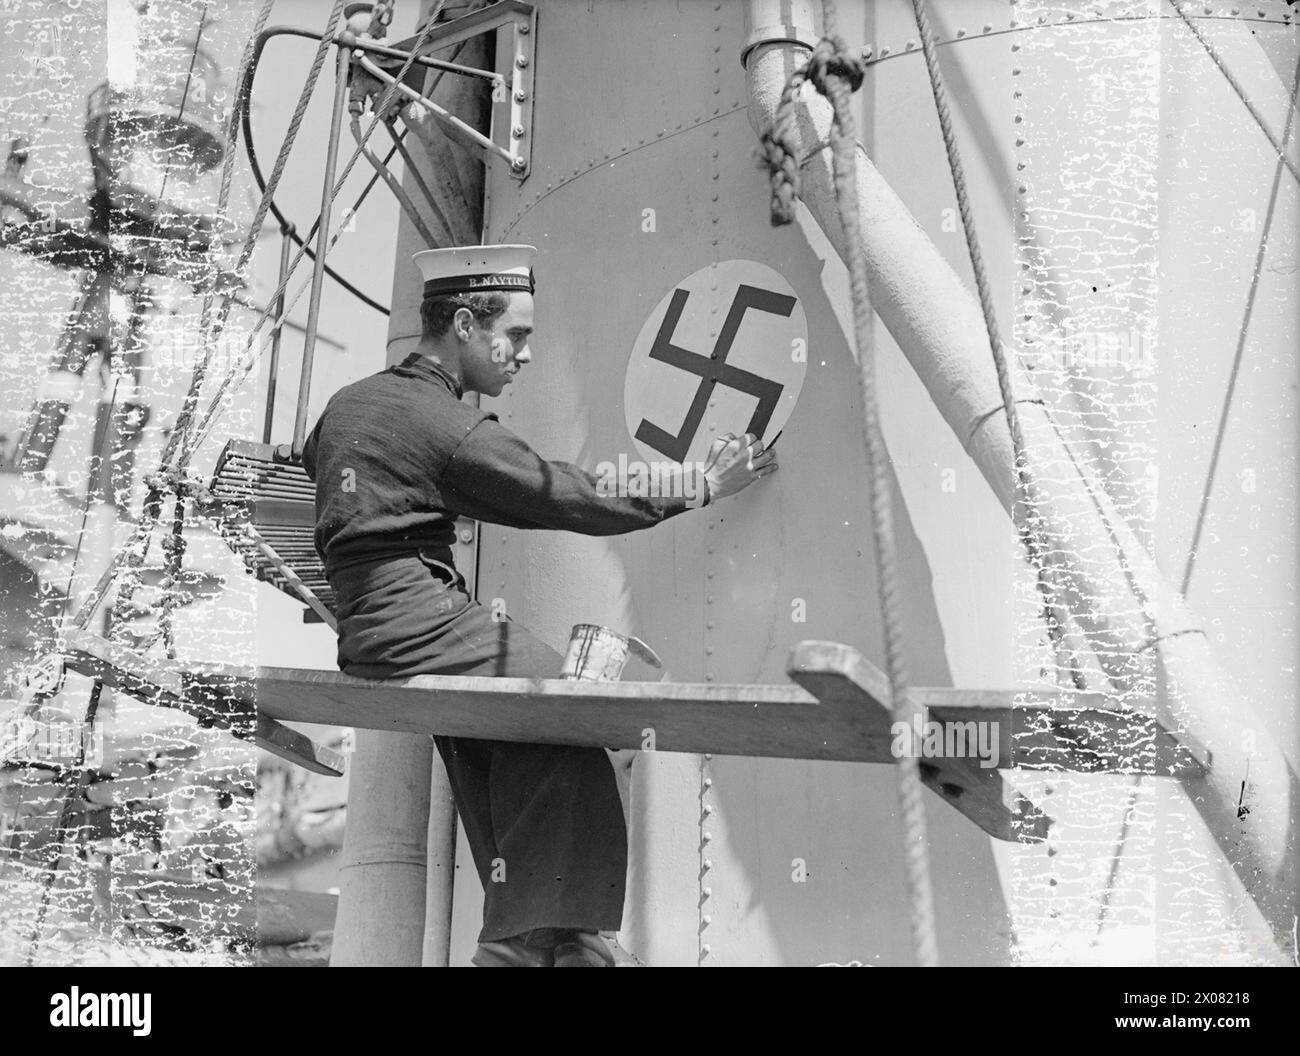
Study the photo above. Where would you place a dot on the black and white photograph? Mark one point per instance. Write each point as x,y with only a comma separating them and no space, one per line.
649,483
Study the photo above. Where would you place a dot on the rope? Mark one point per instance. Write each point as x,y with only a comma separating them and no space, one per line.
285,224
180,433
132,555
189,441
210,327
1033,535
75,780
836,74
777,143
1241,343
233,374
1121,840
779,149
173,547
1236,87
283,220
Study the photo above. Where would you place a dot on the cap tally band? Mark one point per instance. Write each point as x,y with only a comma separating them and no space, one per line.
477,284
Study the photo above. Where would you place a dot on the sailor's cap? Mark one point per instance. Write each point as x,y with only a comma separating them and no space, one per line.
475,269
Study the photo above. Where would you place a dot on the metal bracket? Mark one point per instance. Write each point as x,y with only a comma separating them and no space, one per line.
515,24
523,48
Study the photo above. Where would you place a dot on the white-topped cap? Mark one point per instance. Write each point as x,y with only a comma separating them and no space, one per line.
469,269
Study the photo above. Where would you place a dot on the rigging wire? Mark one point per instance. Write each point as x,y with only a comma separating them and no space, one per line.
234,373
836,73
77,777
836,79
185,98
1239,352
285,224
1137,783
139,294
133,552
1033,533
1280,148
1024,475
213,322
132,555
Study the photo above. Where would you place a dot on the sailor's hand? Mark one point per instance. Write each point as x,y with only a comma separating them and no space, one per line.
734,463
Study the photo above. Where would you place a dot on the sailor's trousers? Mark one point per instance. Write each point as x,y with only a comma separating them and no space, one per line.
544,822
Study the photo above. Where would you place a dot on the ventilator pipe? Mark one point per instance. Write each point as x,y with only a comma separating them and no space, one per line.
382,878
440,858
1102,574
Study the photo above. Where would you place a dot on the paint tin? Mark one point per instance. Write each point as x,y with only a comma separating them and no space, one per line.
598,654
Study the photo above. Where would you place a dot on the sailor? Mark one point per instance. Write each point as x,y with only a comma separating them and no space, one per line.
396,458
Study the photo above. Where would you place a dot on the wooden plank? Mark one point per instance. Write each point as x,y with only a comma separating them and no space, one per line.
838,673
273,917
221,697
249,478
287,513
850,723
1047,729
781,721
754,720
297,748
285,916
245,464
241,474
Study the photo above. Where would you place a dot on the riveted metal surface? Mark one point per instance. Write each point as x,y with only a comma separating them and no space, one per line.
769,862
801,864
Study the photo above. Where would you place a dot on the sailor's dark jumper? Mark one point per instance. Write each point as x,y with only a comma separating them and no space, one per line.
396,457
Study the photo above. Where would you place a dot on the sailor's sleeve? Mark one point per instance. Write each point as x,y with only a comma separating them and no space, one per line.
309,453
495,476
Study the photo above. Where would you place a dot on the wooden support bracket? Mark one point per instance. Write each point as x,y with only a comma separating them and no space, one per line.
837,674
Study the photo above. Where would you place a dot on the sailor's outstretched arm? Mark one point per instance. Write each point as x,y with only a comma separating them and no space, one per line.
494,476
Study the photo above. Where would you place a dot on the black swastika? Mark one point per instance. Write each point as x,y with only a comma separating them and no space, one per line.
714,369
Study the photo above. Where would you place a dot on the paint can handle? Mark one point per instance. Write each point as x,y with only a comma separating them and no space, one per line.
639,649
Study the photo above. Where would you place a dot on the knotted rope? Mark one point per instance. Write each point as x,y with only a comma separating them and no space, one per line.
829,58
836,74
